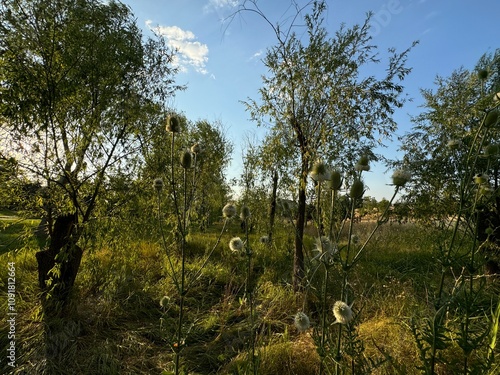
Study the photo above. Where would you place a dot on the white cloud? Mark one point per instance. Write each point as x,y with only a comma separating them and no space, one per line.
220,4
190,52
256,55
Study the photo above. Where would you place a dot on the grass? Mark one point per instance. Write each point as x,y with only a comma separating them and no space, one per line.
120,328
15,232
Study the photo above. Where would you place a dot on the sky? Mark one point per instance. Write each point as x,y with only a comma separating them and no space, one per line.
221,61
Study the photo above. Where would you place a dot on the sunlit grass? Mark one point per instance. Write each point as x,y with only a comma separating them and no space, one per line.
123,329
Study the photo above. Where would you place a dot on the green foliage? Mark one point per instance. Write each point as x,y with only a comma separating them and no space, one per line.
440,146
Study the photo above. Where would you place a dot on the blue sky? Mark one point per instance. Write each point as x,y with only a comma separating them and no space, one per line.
221,65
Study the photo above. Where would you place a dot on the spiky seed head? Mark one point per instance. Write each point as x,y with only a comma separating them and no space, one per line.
492,150
229,211
363,164
342,312
482,74
335,180
236,244
186,159
486,190
173,125
158,184
245,213
196,148
165,301
481,178
357,189
301,322
400,177
491,118
320,172
364,160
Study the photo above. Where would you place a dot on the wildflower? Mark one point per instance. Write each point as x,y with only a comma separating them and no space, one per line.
363,164
229,211
245,213
186,159
196,148
301,321
481,178
236,244
400,177
320,172
158,184
357,189
165,301
173,125
342,312
454,144
335,180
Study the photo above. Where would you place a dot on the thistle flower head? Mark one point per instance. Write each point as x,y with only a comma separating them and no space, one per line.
481,178
363,164
158,184
320,172
165,301
357,189
173,125
229,211
301,321
400,177
245,213
236,244
492,150
342,312
491,118
335,180
486,190
186,159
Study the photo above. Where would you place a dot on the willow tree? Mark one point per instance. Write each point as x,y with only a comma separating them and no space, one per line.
77,83
436,150
315,99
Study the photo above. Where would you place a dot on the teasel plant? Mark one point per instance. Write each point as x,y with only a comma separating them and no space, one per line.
329,254
182,202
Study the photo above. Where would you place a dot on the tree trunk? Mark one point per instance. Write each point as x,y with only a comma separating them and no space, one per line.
272,208
64,253
298,261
